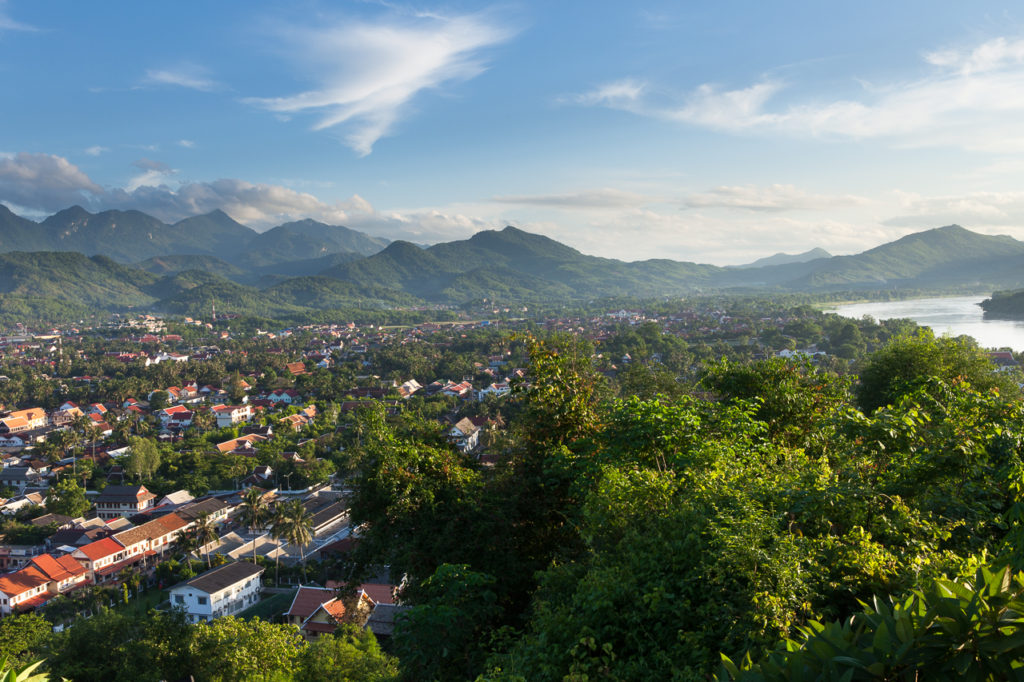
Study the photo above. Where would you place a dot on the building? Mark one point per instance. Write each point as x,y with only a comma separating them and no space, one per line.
123,500
222,591
229,415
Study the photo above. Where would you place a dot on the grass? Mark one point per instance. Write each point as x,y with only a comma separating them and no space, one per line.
140,606
272,606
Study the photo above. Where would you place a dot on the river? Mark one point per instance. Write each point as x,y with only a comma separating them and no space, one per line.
952,315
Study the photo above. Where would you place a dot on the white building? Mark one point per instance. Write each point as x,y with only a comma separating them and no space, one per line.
222,591
229,415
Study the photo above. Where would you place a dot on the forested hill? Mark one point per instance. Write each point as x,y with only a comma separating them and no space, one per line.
1005,305
133,236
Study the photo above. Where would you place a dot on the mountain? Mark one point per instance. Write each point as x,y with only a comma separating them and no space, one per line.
173,264
216,232
20,234
944,258
787,258
133,236
304,240
73,278
512,263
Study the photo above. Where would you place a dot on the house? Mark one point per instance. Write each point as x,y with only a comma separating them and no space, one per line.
64,572
168,413
20,478
324,620
465,435
123,500
306,601
408,388
222,591
247,441
495,389
457,390
285,396
23,420
23,590
102,558
229,415
296,368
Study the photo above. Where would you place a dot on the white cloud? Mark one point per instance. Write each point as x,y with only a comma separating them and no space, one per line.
184,76
975,210
368,73
9,24
187,144
770,198
96,150
154,173
972,99
585,199
44,182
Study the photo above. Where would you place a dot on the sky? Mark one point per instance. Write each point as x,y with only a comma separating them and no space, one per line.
696,131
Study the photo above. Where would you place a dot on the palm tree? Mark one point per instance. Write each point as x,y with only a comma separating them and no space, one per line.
205,533
278,530
298,529
253,513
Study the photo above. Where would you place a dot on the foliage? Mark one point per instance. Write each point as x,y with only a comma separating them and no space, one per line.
351,654
68,498
438,639
907,363
21,636
229,649
969,629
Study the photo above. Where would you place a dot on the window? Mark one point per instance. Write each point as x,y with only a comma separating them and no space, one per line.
202,601
178,599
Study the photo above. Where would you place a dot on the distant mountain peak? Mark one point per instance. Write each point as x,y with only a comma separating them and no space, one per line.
788,258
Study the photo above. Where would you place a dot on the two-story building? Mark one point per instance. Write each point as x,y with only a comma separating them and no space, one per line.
222,591
123,500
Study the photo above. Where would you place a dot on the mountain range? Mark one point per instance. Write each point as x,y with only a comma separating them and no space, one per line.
118,260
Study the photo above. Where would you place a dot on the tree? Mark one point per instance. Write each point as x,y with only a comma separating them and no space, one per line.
351,654
229,649
949,629
204,533
298,528
68,498
253,513
143,458
907,363
158,400
440,638
22,636
279,531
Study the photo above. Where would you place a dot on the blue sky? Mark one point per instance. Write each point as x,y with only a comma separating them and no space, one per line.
712,132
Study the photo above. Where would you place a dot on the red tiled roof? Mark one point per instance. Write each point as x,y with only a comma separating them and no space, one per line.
307,600
58,570
380,594
101,548
22,581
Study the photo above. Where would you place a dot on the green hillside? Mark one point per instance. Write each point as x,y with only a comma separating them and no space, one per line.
73,278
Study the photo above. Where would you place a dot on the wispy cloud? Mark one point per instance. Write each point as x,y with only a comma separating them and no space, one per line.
770,198
154,173
96,150
585,199
187,144
9,24
972,98
368,73
971,209
183,76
